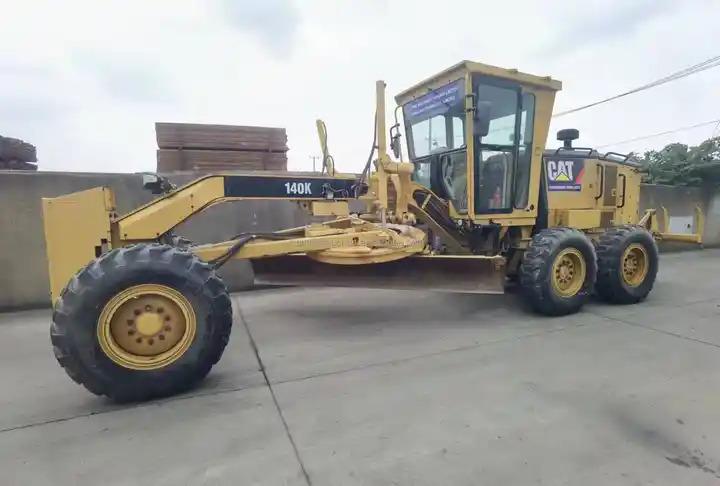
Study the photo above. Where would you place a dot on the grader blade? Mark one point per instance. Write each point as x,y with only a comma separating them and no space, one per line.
444,273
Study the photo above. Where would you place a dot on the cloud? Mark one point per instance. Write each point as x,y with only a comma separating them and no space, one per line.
33,109
273,22
87,83
21,69
592,22
32,94
127,77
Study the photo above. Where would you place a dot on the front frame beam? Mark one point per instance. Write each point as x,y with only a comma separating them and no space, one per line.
161,215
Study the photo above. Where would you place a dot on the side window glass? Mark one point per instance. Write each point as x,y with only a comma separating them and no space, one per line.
503,114
495,153
437,136
421,139
429,136
526,118
522,182
458,130
421,175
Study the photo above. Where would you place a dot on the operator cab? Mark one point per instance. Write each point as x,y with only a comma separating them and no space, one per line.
477,120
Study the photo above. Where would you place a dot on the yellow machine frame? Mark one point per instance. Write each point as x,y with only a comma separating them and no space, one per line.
82,226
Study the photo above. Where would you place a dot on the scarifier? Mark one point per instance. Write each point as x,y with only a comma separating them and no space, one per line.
140,313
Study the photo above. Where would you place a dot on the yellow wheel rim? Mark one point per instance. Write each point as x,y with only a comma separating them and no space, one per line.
146,327
568,272
634,265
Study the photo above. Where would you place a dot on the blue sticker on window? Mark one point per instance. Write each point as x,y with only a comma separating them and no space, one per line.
437,101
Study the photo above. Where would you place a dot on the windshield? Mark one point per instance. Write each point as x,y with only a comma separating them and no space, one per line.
435,122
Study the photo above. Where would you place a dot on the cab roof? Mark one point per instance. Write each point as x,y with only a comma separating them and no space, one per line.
453,72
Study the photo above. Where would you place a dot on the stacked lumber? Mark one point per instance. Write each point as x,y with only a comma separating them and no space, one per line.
211,148
17,155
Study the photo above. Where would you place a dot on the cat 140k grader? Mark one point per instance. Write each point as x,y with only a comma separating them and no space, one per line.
140,313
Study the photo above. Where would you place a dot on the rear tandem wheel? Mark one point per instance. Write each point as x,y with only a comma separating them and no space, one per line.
558,271
627,264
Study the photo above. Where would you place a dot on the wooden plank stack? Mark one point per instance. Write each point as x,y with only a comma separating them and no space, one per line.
219,148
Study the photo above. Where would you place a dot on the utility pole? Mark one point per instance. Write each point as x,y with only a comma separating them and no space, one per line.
314,158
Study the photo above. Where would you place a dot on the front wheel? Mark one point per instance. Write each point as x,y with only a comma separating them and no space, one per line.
141,322
558,271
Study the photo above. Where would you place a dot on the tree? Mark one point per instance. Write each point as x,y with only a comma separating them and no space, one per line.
705,161
680,165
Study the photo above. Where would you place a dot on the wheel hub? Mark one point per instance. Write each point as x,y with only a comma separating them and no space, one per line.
568,272
634,265
146,326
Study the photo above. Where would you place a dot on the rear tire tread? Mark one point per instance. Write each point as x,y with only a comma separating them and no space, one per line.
536,265
610,247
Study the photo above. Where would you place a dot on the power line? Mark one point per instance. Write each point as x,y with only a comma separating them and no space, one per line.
715,130
695,68
667,132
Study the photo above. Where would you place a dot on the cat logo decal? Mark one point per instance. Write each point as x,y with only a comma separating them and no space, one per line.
565,175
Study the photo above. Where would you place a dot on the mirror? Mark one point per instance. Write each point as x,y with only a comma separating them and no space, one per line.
481,125
150,180
156,184
395,145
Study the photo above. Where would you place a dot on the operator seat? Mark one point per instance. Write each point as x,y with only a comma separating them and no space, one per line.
493,184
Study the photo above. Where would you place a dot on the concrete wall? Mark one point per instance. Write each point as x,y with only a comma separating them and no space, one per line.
23,265
680,203
712,219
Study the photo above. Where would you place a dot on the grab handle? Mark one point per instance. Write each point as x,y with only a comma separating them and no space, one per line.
601,172
624,183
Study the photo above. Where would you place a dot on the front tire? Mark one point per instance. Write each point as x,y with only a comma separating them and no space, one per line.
558,271
141,322
627,264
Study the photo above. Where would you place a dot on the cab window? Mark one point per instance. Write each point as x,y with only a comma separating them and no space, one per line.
522,182
435,126
503,155
496,152
435,122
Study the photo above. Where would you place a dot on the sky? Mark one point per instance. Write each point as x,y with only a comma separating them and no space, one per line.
85,80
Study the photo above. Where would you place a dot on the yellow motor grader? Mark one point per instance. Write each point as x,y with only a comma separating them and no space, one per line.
139,313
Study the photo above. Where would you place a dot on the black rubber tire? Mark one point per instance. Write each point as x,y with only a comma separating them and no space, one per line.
74,329
536,269
611,245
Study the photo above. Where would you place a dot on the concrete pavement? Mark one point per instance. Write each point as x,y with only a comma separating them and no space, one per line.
371,387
